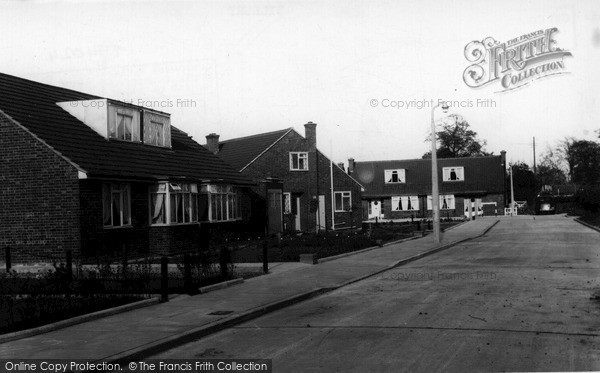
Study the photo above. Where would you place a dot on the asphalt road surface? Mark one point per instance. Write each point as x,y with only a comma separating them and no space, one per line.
520,298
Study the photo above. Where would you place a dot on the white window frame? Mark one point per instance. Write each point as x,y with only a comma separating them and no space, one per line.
179,191
414,203
449,198
287,203
157,131
123,190
450,201
400,174
116,111
227,197
460,174
152,135
344,195
299,156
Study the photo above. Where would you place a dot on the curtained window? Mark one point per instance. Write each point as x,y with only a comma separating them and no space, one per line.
453,174
116,205
446,202
222,201
124,123
395,176
179,199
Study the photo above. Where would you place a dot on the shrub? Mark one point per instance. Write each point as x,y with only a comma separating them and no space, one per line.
588,198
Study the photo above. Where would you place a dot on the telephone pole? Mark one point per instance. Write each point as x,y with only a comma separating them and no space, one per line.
534,156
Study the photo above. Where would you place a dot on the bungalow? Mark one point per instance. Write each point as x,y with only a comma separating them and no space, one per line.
316,194
402,189
98,176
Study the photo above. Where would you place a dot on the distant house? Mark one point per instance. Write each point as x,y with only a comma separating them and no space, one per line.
99,177
306,176
402,189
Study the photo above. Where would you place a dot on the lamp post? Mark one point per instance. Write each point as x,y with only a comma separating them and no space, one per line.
435,193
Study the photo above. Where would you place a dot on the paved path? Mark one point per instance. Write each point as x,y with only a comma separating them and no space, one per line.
152,329
520,298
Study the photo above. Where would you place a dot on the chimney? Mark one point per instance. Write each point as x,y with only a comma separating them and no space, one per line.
310,134
341,165
212,143
503,158
350,166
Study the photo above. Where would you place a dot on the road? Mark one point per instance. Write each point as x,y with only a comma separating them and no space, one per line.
517,299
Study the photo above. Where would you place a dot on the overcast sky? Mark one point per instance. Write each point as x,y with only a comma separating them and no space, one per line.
243,67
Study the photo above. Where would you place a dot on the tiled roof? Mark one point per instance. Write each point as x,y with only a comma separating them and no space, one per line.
33,105
482,175
240,152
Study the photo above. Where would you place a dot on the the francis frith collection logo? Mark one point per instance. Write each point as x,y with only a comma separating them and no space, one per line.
516,62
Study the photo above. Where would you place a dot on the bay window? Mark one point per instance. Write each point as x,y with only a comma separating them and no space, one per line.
221,202
173,203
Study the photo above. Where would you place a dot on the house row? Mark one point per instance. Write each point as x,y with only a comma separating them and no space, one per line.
401,189
102,177
316,194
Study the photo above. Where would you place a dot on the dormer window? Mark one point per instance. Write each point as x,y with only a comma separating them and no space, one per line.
123,123
116,120
395,176
157,129
453,174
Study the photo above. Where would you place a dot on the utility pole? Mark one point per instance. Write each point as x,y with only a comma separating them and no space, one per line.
534,173
512,193
332,191
535,190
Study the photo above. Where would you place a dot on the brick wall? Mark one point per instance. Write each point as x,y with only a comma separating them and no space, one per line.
138,240
39,201
307,184
98,241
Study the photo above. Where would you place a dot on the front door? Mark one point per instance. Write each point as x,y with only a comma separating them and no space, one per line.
321,214
297,221
375,209
275,212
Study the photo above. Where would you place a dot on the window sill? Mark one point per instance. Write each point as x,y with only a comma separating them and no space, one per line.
110,227
124,140
174,224
221,221
298,170
452,181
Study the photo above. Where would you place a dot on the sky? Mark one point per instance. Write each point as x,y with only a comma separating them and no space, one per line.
239,68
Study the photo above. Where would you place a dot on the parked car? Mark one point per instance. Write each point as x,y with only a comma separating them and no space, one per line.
545,205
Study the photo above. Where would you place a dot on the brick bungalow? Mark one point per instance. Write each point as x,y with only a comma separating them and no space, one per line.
402,189
307,176
98,177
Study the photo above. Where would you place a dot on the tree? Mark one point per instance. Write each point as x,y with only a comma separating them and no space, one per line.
583,157
523,182
552,169
457,140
